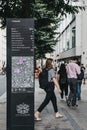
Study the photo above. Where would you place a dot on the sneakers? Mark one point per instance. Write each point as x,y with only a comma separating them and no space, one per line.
37,116
58,115
66,97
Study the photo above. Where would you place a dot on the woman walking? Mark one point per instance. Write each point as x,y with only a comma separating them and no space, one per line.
50,95
62,80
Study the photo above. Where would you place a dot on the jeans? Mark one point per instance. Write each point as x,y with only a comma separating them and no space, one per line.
79,83
72,95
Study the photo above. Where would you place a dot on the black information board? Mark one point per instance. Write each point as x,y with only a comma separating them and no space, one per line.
20,74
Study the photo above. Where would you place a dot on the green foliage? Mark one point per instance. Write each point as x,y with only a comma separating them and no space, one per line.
45,25
15,9
47,15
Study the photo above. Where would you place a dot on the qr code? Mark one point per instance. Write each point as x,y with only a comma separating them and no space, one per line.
22,72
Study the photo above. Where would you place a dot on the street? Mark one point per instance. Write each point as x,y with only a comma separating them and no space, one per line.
2,84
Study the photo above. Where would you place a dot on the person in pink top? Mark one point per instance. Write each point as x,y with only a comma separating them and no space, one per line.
72,70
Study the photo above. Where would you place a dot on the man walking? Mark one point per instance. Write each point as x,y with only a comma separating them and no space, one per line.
72,70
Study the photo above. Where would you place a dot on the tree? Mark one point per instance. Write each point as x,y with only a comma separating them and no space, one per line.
45,26
15,9
47,15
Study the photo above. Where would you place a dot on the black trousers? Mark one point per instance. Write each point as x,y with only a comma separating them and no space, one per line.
50,96
64,89
73,87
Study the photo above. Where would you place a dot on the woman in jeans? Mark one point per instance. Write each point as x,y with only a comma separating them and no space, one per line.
50,95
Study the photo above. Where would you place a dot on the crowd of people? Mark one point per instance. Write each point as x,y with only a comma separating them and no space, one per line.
68,81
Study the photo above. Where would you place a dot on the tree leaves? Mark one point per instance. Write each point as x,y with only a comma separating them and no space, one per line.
47,15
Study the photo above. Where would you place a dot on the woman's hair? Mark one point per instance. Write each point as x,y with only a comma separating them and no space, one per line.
63,68
79,63
49,63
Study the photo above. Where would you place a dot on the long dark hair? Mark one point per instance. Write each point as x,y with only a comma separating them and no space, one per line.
63,68
49,63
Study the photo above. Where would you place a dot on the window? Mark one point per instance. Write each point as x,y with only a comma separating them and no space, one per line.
68,39
68,45
73,37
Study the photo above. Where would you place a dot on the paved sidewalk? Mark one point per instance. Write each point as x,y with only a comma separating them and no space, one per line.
72,120
3,98
2,116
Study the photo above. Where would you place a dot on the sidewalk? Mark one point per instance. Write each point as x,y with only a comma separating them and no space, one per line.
3,98
72,120
2,115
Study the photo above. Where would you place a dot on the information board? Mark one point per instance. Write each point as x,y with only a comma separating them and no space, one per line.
20,74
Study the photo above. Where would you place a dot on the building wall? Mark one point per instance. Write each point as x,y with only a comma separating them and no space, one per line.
84,37
2,47
65,48
78,33
64,44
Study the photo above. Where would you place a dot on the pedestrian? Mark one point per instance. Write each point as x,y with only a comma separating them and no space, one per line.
80,77
3,68
83,68
72,70
62,80
50,95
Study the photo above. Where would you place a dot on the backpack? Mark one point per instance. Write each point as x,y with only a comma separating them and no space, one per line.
81,75
43,79
63,78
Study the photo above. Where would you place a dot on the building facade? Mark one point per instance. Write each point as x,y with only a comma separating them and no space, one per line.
72,40
2,47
